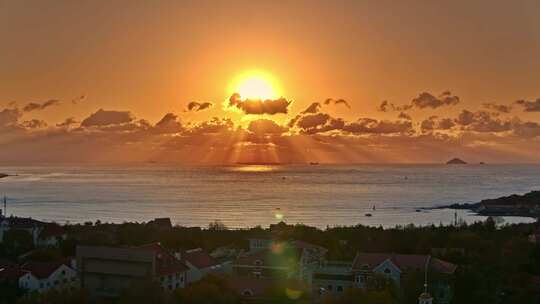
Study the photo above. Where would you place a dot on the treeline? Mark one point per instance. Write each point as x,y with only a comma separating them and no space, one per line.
496,264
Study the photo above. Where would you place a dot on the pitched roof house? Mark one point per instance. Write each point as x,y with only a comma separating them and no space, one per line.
396,266
43,276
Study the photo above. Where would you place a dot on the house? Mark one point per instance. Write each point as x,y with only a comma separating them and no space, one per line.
43,276
106,271
11,275
396,267
42,234
201,263
333,277
280,259
169,269
163,223
51,235
29,225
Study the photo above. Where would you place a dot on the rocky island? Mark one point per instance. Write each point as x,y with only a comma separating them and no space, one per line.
513,205
456,161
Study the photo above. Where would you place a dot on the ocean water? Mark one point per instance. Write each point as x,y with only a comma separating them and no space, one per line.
246,196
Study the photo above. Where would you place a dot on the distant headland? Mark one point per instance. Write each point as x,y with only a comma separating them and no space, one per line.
513,205
456,161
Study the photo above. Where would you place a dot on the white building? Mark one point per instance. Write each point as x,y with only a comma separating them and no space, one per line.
395,267
44,276
42,234
201,263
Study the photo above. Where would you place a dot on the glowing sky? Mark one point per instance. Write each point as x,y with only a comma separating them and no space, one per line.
340,81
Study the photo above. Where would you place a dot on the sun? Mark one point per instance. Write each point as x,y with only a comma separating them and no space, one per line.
256,85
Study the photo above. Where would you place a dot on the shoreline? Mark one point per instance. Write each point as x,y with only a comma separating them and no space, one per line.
526,205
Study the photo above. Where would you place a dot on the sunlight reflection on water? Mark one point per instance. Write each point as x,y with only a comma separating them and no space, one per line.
254,168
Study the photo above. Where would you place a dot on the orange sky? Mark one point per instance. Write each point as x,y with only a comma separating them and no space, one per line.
153,58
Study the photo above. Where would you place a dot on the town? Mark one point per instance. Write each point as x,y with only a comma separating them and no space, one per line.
156,262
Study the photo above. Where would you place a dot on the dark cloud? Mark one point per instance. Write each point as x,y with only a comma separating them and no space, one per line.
258,107
435,123
67,123
213,126
313,108
78,99
169,124
337,102
527,129
422,101
195,106
266,126
427,100
403,115
34,124
40,106
498,107
9,117
386,106
374,126
482,121
316,123
103,118
529,106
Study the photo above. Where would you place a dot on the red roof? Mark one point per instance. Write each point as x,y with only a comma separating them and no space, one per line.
166,263
199,258
11,273
402,261
443,266
22,222
43,270
51,230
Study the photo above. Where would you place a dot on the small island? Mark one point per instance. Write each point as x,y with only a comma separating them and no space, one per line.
456,161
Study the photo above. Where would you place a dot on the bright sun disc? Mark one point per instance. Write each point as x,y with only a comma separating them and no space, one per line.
256,85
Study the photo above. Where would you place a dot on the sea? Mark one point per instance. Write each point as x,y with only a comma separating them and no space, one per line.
242,196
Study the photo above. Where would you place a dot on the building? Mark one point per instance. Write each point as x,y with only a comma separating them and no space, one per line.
169,269
44,276
280,259
106,271
42,234
51,235
29,225
162,223
396,267
333,277
201,263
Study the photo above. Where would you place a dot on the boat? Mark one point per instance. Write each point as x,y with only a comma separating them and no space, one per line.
368,214
2,175
313,163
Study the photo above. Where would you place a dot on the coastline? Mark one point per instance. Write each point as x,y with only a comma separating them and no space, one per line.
526,205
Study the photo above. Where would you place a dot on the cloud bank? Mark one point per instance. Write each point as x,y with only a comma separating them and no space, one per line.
490,134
